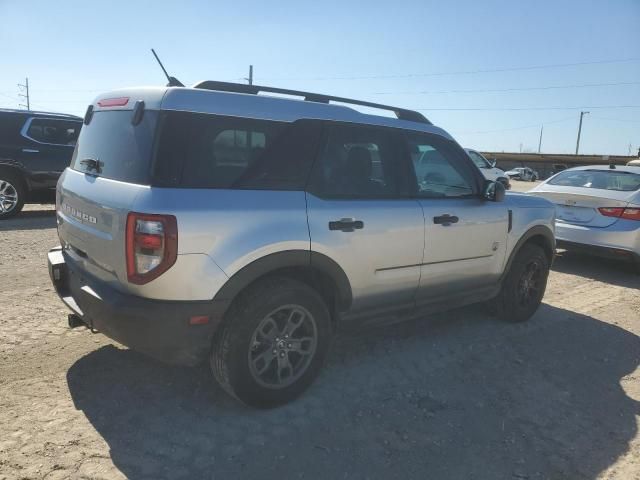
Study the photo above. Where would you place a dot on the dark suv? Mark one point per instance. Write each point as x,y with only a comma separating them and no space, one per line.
35,147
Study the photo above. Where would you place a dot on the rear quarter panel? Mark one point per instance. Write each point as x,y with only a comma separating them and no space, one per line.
232,228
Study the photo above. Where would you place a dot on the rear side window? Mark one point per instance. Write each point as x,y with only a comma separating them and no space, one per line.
212,151
601,179
360,162
120,150
53,131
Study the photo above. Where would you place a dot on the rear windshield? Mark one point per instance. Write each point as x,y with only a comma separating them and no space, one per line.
122,151
601,179
212,151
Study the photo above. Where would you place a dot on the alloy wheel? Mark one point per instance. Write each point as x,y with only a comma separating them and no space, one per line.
530,283
8,197
282,346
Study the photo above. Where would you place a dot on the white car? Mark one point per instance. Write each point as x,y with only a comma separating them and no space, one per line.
525,174
488,169
597,209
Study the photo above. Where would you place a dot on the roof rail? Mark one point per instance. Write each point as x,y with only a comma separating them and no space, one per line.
401,113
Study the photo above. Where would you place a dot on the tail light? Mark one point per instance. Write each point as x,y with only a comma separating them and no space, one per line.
151,246
621,212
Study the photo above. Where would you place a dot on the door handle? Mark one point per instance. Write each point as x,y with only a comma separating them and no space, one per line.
346,225
445,220
30,150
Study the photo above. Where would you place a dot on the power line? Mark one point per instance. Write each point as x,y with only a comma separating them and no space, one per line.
463,72
524,127
517,109
496,90
626,120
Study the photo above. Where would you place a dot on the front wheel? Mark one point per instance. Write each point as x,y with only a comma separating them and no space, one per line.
524,285
273,342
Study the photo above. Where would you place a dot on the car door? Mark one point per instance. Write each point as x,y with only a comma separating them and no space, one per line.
465,234
48,147
360,214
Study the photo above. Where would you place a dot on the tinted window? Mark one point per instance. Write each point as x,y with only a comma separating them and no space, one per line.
53,131
210,151
440,168
359,162
123,150
602,179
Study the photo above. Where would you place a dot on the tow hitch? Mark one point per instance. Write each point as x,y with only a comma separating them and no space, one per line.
75,321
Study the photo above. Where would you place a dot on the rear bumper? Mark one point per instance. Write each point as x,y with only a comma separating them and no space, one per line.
604,252
617,241
158,328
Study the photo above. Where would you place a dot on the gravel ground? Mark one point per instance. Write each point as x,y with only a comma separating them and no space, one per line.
455,396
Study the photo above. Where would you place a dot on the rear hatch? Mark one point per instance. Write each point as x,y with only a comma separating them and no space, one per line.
590,197
110,167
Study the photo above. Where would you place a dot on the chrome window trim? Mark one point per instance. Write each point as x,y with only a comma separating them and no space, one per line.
27,124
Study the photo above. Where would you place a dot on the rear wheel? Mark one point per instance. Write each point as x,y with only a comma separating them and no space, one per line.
12,195
273,342
524,285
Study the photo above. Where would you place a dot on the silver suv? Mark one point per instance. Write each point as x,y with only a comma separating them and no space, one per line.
218,223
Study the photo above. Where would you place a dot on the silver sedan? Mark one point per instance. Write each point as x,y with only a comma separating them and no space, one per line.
597,209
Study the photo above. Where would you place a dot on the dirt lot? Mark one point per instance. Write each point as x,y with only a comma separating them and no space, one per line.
456,396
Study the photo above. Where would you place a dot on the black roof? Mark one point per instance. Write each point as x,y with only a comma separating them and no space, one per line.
401,113
36,113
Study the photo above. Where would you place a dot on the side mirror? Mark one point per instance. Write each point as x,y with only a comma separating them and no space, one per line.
494,191
493,163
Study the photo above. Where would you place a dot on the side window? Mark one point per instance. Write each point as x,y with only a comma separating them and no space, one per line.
53,131
210,151
440,171
359,162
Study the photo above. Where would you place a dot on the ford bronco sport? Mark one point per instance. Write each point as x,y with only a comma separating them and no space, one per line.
214,222
35,147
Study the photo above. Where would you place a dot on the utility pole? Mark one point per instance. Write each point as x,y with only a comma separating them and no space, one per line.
582,114
26,94
250,78
540,141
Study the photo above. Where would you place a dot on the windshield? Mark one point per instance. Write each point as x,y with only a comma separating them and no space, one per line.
112,147
478,159
600,179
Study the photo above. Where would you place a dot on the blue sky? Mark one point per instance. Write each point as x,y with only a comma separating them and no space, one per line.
382,51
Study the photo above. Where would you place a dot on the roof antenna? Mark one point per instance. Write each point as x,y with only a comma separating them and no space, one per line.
173,81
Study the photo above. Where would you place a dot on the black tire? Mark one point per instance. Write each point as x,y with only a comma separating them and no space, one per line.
13,183
524,285
235,342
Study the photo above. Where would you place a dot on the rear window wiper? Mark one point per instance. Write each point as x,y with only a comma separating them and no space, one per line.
92,164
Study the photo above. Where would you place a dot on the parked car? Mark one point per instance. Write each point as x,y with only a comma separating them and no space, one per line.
524,174
212,222
488,169
35,147
634,163
559,167
598,210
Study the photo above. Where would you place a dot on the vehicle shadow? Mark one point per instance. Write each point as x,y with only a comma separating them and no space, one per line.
458,396
32,219
620,273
